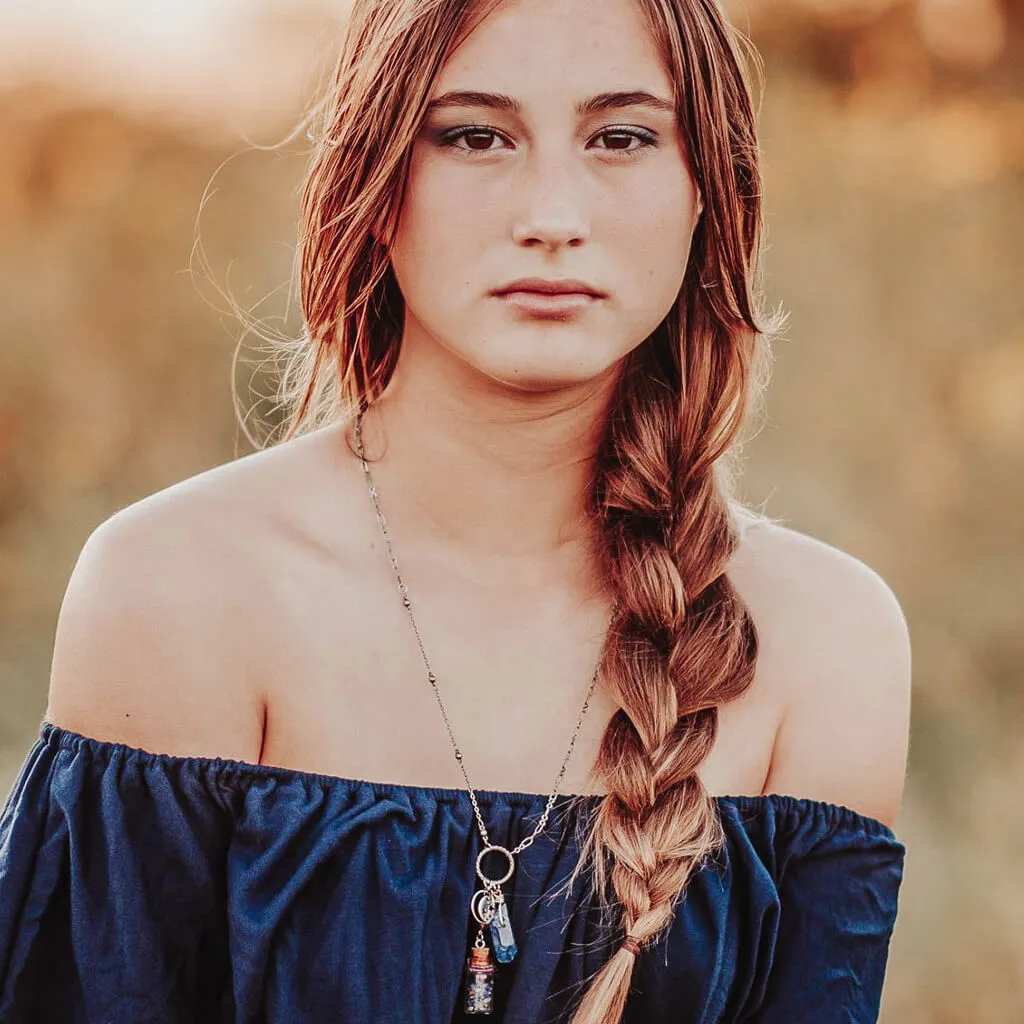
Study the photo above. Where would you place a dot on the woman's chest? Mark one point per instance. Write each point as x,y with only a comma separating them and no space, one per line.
358,703
348,688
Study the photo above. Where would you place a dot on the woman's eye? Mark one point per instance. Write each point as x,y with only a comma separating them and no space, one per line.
477,139
618,140
622,137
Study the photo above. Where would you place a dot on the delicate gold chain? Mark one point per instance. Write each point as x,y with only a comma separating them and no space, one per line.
433,679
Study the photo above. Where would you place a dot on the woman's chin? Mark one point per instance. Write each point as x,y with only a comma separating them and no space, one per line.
540,376
547,363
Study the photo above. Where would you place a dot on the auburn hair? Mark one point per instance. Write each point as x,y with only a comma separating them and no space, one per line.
681,642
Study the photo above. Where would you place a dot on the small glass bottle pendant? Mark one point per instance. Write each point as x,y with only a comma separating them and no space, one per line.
505,948
479,979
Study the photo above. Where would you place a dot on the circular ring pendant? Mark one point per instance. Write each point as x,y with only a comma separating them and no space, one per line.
479,862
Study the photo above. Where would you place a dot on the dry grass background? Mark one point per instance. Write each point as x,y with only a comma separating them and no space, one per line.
893,138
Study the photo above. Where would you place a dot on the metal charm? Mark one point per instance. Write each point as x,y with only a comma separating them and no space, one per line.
482,907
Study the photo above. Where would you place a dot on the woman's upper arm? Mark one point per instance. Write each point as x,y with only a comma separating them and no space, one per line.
145,651
840,651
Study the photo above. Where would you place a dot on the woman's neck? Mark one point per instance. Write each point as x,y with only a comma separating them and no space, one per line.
496,473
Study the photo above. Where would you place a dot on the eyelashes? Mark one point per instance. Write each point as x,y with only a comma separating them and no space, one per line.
453,139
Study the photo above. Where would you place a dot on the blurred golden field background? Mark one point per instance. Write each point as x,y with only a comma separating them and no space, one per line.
893,141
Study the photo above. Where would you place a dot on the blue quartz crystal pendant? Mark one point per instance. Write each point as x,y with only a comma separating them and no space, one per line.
502,939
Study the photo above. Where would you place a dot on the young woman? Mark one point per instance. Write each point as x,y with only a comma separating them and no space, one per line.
306,755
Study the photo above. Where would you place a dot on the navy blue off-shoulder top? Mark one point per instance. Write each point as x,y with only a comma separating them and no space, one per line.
148,888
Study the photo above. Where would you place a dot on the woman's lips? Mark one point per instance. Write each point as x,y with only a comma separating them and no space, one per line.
546,304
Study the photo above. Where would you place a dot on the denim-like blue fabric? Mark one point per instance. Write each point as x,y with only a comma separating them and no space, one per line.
147,888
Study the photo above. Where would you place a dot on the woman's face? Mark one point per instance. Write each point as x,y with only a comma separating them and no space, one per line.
574,176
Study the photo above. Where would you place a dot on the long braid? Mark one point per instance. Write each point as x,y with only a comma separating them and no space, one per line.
682,642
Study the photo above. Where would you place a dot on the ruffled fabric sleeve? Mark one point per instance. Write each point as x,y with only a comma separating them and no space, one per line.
112,888
823,943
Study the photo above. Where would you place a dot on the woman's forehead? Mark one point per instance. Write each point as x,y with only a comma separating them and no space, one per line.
530,49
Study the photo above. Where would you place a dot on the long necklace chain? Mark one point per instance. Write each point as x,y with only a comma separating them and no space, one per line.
433,679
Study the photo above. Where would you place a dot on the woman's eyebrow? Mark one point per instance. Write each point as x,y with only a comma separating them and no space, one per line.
595,104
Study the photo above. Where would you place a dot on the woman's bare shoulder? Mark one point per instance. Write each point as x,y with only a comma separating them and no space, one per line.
834,641
158,637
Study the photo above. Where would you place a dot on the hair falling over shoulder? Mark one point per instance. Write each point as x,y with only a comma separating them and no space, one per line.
682,641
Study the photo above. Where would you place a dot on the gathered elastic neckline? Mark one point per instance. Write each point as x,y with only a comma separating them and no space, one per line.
52,734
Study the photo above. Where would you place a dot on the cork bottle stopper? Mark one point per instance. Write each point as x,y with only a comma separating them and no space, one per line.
480,959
